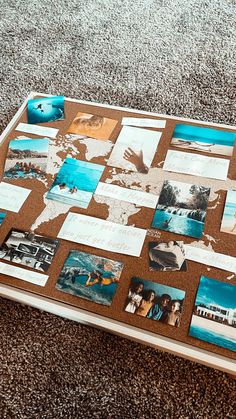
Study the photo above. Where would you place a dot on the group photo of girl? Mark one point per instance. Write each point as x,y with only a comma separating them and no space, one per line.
155,301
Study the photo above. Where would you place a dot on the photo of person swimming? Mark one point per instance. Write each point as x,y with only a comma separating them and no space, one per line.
167,256
155,301
181,208
94,126
46,109
89,276
75,182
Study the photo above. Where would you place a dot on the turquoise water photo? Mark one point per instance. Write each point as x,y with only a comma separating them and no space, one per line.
45,109
76,182
89,276
229,217
181,208
2,216
204,139
212,337
179,224
214,314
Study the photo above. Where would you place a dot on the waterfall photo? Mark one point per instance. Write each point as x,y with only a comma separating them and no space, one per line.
182,208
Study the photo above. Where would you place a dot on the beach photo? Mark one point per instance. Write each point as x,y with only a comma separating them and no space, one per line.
75,182
29,249
182,208
47,109
204,140
26,158
2,216
94,126
167,256
214,315
88,276
228,224
134,149
155,301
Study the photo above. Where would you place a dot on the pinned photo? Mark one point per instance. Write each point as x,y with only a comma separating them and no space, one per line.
182,208
214,315
76,182
204,140
95,126
228,224
26,159
46,109
2,216
167,256
155,301
88,276
29,249
134,149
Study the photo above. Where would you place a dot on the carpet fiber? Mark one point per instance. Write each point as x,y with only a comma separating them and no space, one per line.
174,57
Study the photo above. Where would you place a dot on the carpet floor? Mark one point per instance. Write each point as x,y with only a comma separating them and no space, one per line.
175,57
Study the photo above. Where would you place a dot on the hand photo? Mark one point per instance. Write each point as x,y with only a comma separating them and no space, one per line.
134,149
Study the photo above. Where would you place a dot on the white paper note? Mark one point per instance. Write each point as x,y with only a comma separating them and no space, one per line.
133,196
134,149
144,122
196,165
12,197
24,274
218,260
37,130
102,234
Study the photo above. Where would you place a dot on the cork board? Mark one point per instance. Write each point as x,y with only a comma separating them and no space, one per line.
187,281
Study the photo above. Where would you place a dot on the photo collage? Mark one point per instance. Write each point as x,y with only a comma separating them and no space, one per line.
179,208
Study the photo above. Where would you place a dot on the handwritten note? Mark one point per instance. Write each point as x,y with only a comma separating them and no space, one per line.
196,165
144,122
102,234
218,260
12,197
37,130
140,198
24,274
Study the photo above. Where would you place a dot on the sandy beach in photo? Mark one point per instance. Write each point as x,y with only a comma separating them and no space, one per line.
203,147
213,326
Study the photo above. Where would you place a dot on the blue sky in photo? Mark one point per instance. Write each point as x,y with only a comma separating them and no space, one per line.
40,144
214,292
160,289
204,135
47,109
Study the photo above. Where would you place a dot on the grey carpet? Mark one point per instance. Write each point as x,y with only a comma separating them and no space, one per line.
174,57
